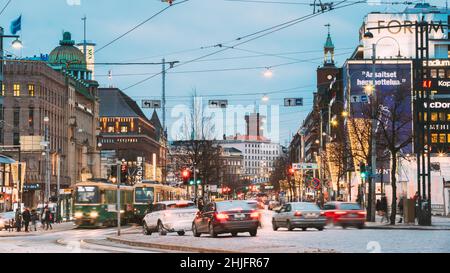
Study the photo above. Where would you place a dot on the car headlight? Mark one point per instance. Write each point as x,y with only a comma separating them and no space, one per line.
94,214
78,214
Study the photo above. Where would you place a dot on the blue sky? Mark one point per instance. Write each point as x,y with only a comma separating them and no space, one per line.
192,25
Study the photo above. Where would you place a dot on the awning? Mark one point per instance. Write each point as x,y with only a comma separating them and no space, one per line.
6,160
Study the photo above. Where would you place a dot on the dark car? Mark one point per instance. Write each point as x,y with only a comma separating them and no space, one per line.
345,214
232,216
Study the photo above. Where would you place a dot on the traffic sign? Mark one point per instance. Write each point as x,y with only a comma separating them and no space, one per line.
151,104
293,102
359,98
305,166
316,183
218,103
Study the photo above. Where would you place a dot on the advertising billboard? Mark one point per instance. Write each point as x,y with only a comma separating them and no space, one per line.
393,84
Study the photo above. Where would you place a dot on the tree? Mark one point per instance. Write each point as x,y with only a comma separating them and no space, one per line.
395,121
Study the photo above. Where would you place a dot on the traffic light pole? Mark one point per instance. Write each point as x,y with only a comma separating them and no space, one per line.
119,165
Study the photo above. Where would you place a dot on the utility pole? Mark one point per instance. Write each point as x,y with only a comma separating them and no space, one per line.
119,165
84,39
371,197
58,174
47,161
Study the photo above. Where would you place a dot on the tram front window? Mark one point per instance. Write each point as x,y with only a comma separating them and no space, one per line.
143,195
87,195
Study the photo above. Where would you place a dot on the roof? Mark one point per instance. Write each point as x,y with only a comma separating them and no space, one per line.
155,120
329,42
66,54
232,150
115,103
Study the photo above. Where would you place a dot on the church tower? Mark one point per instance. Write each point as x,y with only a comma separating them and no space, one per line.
328,50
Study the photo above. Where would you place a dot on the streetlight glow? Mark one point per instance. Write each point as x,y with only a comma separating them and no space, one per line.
17,44
268,73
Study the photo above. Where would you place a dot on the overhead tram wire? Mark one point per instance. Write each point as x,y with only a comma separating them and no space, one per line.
272,30
5,6
139,25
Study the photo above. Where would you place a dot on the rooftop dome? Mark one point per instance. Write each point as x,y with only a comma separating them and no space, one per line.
66,54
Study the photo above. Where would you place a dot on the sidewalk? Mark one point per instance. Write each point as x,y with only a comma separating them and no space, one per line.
438,223
56,228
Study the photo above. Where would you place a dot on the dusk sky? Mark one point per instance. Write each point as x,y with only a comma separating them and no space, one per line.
192,25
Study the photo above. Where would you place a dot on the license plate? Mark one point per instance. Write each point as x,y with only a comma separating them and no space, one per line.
311,215
352,215
239,216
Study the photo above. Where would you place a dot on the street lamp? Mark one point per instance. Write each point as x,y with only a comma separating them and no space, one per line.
47,158
17,44
265,98
268,73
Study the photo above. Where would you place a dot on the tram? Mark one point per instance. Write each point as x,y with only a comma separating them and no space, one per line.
95,203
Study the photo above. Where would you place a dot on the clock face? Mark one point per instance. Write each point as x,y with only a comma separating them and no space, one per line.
329,77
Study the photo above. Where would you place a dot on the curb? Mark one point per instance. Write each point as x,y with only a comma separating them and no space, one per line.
35,233
408,228
170,247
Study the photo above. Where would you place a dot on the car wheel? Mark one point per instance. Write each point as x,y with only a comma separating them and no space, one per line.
181,233
194,231
212,233
344,226
361,226
274,226
289,226
253,232
320,228
304,229
145,229
234,234
161,230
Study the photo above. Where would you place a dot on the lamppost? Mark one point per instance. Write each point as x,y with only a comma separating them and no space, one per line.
47,160
16,44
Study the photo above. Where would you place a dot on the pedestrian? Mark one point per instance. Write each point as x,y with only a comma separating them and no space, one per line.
378,207
18,220
48,218
400,209
34,219
384,208
26,217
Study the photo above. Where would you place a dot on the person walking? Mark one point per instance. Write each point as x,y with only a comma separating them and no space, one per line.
384,208
48,218
26,217
34,219
378,207
400,209
18,220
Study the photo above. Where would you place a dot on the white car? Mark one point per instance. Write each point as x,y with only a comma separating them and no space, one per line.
5,219
170,216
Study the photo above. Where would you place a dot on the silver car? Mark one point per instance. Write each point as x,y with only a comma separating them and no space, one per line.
299,215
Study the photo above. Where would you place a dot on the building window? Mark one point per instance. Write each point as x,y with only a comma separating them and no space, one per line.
442,138
448,138
31,118
16,89
3,90
434,116
110,129
433,138
433,73
16,139
124,129
441,73
31,90
16,117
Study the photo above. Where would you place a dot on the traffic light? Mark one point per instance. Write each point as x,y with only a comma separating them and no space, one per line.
185,174
191,182
363,171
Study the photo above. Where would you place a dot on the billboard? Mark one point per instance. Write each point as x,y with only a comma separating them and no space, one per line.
393,84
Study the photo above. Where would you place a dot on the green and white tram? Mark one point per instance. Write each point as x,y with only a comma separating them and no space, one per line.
95,204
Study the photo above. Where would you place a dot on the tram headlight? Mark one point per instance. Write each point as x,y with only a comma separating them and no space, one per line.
78,214
94,214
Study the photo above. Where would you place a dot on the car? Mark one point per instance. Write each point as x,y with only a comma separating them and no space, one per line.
345,214
299,215
255,205
6,220
170,216
233,216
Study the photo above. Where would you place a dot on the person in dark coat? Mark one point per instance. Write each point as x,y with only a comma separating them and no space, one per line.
18,220
378,207
26,217
400,209
34,219
48,218
384,208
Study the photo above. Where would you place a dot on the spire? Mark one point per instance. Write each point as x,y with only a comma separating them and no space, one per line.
328,49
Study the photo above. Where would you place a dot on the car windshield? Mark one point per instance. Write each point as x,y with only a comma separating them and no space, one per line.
87,195
253,205
143,195
233,205
186,205
305,206
350,206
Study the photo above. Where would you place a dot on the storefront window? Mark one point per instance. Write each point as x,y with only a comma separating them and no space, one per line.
434,116
442,138
433,138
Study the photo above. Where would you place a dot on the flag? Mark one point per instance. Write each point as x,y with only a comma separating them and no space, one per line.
16,25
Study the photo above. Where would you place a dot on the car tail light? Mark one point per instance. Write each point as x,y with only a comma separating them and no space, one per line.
222,216
322,213
340,212
297,213
254,215
362,213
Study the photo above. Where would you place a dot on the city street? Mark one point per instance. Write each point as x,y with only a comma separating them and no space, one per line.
332,239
